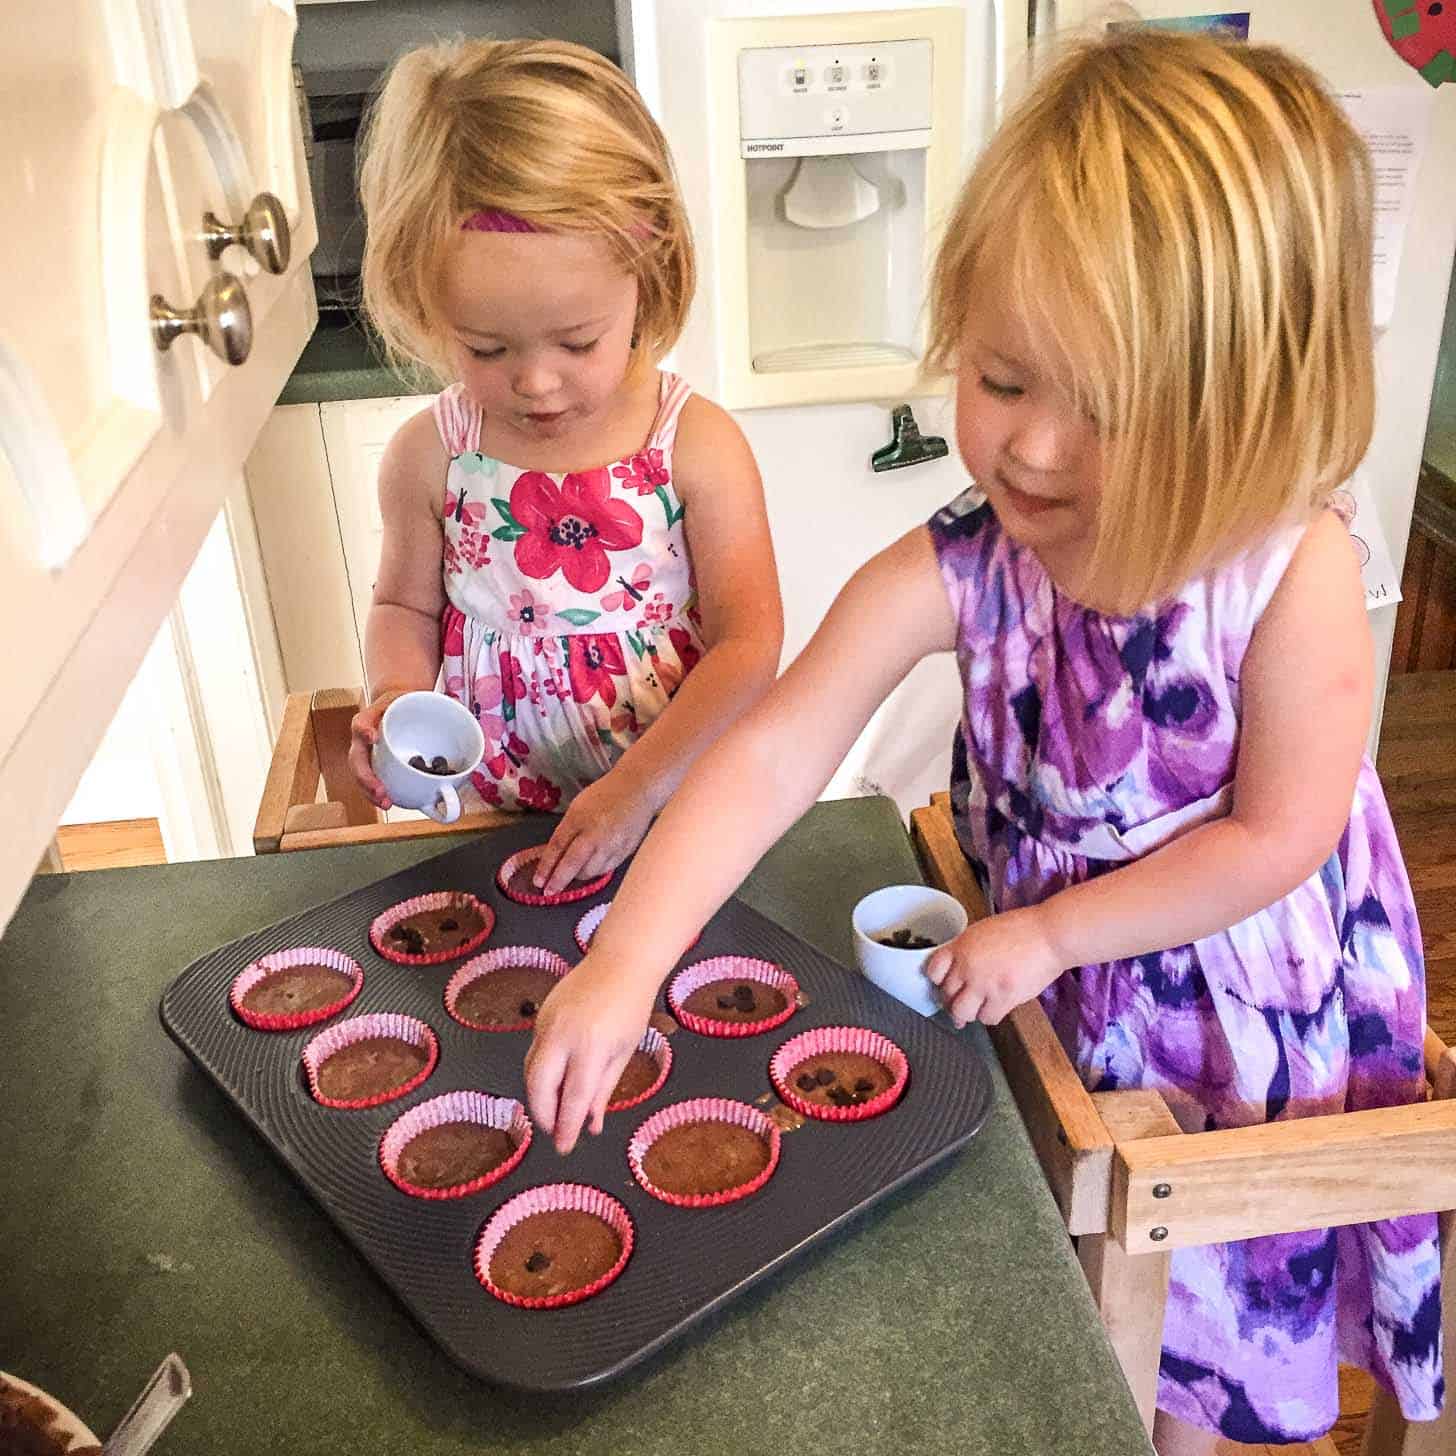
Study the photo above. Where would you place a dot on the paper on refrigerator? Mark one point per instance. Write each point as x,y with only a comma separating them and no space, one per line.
1354,503
1395,122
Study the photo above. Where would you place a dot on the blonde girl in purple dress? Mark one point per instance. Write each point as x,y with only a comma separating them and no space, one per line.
1155,296
575,544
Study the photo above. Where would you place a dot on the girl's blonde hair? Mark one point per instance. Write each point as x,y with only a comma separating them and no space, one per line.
545,130
1184,223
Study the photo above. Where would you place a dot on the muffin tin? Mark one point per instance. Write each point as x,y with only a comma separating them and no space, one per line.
685,1263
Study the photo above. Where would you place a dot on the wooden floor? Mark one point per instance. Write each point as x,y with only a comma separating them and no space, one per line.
1418,769
111,845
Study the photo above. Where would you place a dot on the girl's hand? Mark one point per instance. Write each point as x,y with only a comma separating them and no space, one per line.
587,1029
604,824
994,966
363,735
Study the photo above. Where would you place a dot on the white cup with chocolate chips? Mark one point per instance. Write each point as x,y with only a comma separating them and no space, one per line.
895,930
428,746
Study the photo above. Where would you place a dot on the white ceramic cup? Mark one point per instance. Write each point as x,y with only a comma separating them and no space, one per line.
920,910
430,725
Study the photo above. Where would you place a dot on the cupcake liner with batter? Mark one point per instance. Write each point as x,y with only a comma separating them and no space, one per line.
823,1039
283,960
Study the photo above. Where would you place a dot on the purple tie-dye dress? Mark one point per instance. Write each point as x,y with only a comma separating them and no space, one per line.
1089,741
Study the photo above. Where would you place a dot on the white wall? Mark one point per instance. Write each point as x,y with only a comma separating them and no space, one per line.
191,742
121,782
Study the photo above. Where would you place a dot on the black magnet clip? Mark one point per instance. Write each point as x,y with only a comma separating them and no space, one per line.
909,447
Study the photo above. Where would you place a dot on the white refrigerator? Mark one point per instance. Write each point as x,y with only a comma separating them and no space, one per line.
828,510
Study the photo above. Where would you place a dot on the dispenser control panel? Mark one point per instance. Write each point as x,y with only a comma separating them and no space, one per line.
822,99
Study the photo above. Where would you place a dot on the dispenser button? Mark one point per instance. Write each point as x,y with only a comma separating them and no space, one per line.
799,78
837,118
874,73
836,76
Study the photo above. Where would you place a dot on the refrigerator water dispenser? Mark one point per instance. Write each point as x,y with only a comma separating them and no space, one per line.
834,140
846,133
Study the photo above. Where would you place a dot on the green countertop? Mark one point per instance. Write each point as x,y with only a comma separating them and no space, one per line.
341,362
138,1214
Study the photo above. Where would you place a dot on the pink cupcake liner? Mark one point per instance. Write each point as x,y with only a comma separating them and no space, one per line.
546,1199
704,1109
504,1113
493,960
436,900
526,856
361,1028
589,924
731,968
655,1045
282,960
824,1039
586,927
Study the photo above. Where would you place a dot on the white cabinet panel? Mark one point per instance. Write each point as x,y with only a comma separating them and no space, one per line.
117,456
303,556
356,433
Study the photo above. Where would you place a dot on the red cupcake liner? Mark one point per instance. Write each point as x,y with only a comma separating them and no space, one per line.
732,968
282,960
546,1199
493,960
436,900
504,1113
361,1028
655,1045
526,856
704,1109
824,1039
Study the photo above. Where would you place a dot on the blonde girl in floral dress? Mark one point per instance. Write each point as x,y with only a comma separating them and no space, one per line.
575,545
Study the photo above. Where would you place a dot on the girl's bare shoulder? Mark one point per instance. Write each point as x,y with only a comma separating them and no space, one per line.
412,469
710,448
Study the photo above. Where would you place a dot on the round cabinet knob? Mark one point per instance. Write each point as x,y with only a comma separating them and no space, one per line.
222,319
263,232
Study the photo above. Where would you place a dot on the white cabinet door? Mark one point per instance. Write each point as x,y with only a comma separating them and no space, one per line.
122,124
356,432
292,495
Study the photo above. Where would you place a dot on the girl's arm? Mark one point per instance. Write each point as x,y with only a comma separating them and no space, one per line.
760,777
743,629
402,634
1306,699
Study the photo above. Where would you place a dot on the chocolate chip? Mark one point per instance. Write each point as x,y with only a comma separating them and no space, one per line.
408,939
806,1083
450,924
528,1008
864,1085
726,1003
537,1262
840,1098
439,765
418,761
823,1076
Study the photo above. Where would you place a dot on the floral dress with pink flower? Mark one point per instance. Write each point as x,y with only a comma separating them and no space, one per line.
571,615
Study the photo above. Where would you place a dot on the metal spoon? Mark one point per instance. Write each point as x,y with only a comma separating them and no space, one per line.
165,1394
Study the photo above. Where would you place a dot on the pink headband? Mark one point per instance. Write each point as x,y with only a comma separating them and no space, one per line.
493,221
